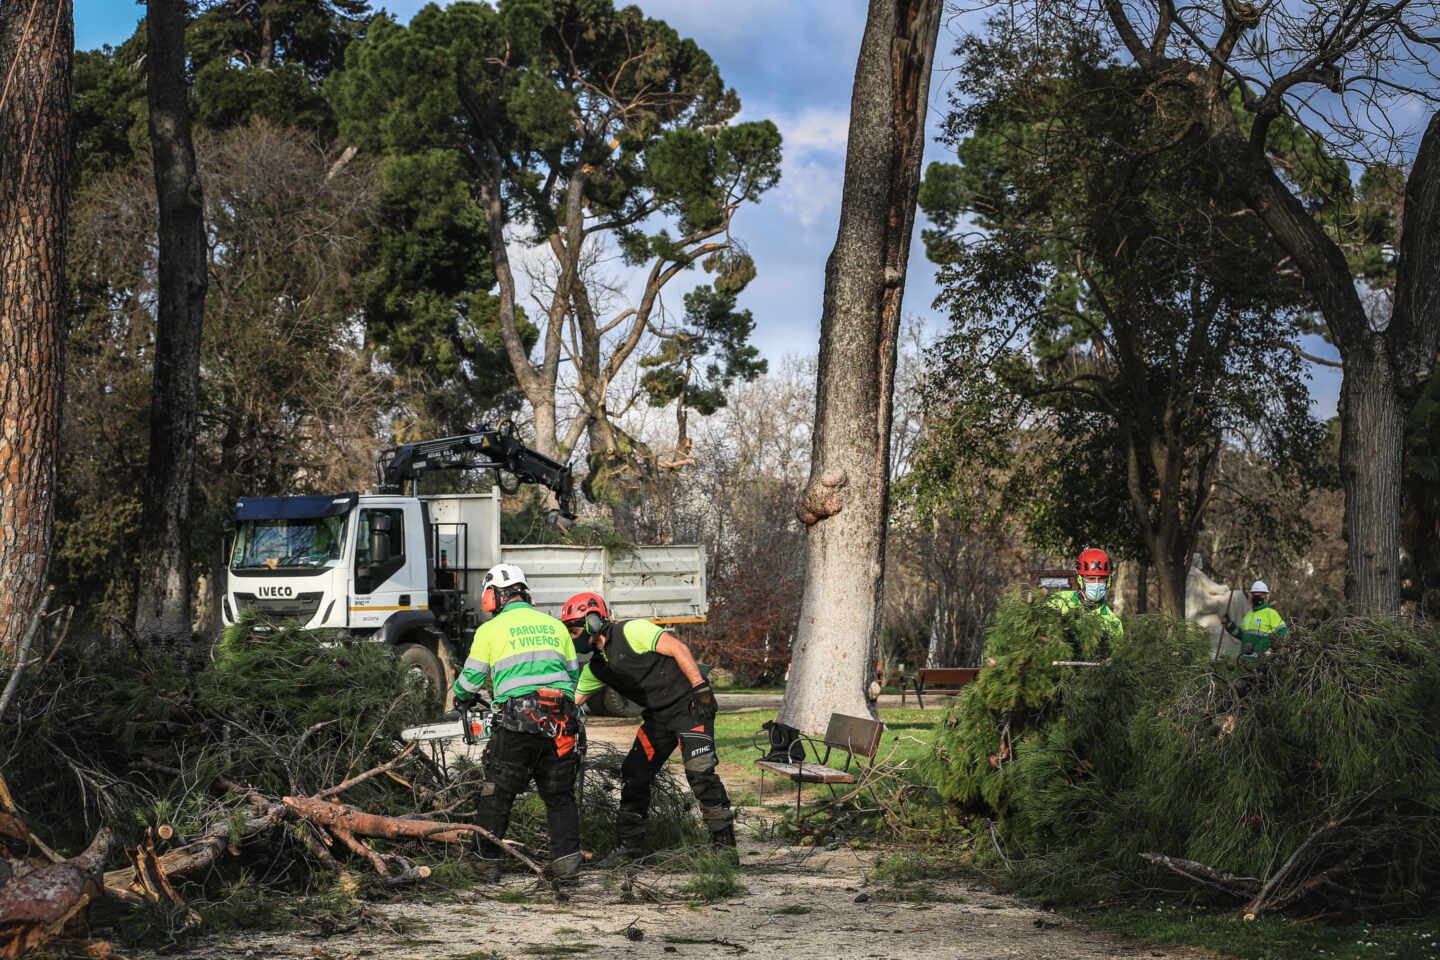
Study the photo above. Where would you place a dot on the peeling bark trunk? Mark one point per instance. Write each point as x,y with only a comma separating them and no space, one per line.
35,52
163,593
848,497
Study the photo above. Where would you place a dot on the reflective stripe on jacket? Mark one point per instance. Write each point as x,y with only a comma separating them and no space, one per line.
1258,629
519,651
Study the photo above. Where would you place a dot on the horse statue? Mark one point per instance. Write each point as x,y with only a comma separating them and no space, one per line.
1209,603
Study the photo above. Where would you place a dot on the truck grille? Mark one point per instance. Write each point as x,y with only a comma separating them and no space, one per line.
300,607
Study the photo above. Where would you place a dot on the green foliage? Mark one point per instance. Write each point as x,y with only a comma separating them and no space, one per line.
1323,753
1103,300
712,328
427,297
109,111
280,709
267,61
715,876
1020,691
575,120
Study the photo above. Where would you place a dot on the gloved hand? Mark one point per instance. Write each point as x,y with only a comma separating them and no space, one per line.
702,700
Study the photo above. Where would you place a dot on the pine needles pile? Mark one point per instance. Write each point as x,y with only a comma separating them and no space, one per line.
1310,778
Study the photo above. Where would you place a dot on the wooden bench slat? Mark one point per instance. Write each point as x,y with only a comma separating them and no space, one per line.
806,772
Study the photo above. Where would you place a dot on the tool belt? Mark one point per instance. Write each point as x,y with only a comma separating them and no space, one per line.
546,712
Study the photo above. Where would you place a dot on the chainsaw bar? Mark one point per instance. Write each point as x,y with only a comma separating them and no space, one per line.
432,731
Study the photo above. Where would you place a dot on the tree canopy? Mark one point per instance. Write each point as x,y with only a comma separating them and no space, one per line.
1100,296
568,124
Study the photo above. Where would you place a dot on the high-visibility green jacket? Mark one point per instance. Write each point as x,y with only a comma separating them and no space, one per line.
1110,623
519,651
1257,630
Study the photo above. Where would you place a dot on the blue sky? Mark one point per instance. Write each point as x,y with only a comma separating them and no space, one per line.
791,61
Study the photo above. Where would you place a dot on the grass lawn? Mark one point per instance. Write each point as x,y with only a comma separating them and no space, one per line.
907,732
907,738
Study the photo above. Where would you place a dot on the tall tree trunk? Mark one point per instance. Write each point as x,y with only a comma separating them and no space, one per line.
1372,437
847,499
36,44
1417,305
163,594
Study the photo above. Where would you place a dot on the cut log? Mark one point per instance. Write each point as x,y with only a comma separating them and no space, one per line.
130,885
38,905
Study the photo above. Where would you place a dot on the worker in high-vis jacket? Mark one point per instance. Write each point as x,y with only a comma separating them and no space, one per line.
529,662
651,666
1261,626
1093,573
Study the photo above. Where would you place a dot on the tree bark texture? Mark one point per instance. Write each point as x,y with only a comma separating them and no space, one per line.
36,44
847,500
163,593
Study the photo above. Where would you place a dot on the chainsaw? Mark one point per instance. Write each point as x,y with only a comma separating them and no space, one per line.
474,726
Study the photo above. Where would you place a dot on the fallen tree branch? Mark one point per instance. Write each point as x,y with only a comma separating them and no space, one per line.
125,884
1205,874
404,757
38,905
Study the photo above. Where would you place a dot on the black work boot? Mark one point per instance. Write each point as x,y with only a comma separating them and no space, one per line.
619,856
563,869
723,841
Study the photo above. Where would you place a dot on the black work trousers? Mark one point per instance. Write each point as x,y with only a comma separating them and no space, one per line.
660,733
511,760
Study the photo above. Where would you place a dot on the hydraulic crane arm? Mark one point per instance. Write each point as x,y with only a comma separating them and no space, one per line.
482,448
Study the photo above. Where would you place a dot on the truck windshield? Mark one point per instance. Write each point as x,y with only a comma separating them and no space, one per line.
273,544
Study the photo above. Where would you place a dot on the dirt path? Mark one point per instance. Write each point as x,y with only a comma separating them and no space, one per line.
798,903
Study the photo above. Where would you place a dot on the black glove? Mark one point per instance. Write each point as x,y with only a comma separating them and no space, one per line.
702,700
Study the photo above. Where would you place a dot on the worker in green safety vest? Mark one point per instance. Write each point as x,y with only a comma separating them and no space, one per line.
530,662
1093,572
1260,627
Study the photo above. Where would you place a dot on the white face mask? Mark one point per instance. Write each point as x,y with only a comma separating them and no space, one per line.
1095,592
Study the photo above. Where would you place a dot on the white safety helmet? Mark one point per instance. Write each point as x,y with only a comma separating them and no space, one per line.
504,575
500,581
1259,587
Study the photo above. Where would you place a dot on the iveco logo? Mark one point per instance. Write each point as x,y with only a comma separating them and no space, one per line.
276,592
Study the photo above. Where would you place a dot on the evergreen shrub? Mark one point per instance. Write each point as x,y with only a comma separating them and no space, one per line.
1321,761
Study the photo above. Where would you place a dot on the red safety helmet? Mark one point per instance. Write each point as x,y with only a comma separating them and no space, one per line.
589,608
1093,562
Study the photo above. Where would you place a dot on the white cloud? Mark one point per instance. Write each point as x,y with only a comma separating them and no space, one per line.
818,129
809,190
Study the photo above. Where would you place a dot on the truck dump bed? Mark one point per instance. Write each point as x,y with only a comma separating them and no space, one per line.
663,583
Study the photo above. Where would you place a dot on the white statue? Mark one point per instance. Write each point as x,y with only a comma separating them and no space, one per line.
1209,603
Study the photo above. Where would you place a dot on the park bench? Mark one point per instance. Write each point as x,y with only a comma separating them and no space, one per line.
942,681
808,759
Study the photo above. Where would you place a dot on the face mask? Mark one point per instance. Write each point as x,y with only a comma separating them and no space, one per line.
1095,592
1257,600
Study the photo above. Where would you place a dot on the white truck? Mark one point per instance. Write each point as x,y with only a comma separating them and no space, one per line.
406,570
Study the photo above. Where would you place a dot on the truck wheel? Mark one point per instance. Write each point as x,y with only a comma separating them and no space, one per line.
422,662
617,706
